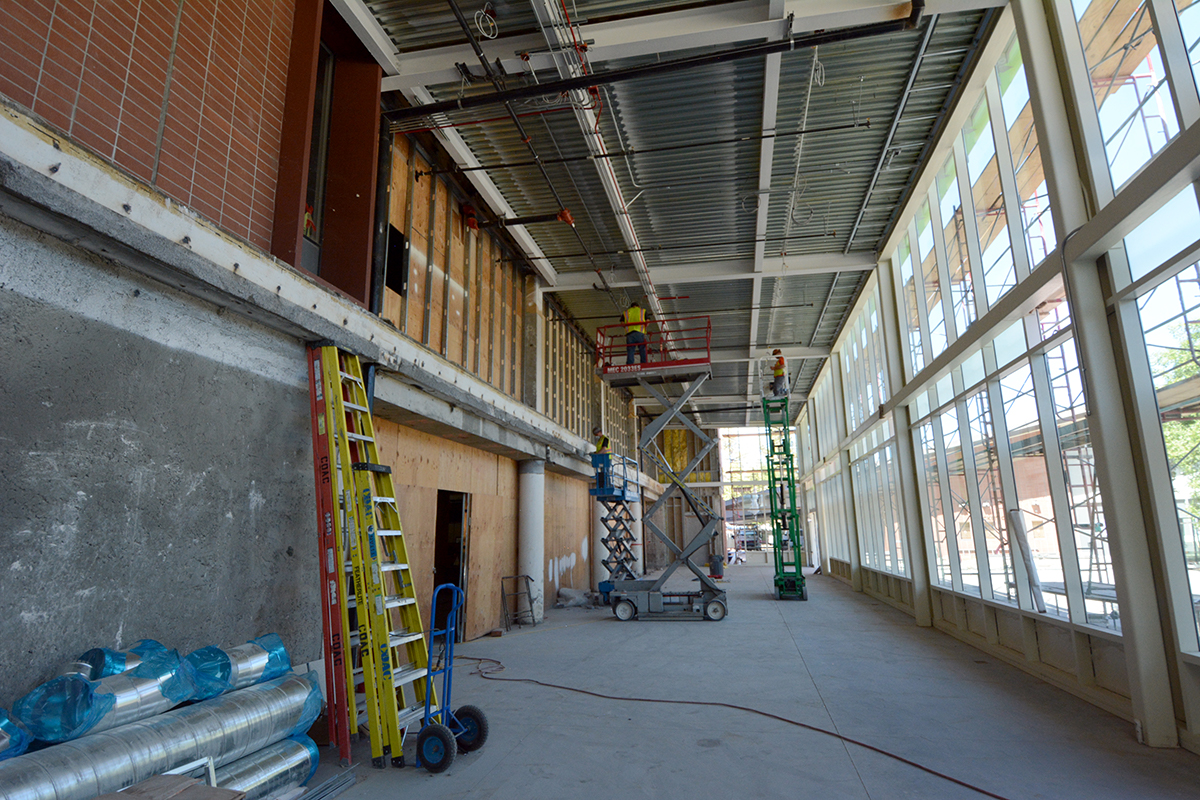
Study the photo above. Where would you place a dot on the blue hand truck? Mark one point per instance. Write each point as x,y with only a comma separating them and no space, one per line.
445,733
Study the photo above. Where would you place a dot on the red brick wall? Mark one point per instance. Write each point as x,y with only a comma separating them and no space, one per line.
110,73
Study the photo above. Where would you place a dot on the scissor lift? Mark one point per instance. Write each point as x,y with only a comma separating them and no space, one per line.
616,487
788,543
678,352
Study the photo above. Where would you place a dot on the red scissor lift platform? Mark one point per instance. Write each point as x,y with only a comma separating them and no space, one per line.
678,350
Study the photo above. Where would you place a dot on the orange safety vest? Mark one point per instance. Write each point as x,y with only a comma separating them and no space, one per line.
635,319
780,367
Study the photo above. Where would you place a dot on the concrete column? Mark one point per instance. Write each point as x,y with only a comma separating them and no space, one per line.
635,510
531,529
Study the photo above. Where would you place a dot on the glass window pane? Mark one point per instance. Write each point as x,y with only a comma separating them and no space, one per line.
935,319
1133,98
962,294
1189,20
991,497
911,305
1164,233
1053,314
934,510
1171,324
960,504
1036,216
1083,488
1028,451
1010,343
991,219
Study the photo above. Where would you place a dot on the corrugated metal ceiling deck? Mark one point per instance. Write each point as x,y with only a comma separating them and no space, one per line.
698,207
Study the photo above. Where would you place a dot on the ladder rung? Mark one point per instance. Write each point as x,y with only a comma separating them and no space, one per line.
384,566
391,500
358,437
408,676
346,376
401,638
396,601
413,713
356,407
386,531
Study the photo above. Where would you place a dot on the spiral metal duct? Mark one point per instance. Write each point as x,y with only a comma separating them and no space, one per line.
272,770
227,728
102,662
13,738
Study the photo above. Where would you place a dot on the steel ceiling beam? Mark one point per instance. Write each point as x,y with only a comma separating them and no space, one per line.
729,270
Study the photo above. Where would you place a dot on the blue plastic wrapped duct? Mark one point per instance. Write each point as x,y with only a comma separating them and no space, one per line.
14,738
227,728
70,706
105,661
214,670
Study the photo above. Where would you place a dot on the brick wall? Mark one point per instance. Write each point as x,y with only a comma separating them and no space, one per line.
186,95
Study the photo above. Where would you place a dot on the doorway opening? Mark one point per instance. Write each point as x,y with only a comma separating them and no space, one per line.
451,535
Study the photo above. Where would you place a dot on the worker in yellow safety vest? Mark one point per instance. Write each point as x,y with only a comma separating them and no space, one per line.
779,370
635,332
602,443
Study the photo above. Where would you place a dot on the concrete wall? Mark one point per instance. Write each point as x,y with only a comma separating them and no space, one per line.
157,476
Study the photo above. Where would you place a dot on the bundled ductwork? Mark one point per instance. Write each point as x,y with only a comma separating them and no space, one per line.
102,661
273,770
227,728
70,706
13,736
213,670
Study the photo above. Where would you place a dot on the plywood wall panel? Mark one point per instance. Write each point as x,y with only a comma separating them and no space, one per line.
437,288
416,288
422,186
568,511
398,202
439,229
393,308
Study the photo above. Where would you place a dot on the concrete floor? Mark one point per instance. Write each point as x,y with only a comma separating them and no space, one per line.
842,661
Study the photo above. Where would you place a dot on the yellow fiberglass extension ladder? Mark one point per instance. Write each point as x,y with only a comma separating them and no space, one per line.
376,656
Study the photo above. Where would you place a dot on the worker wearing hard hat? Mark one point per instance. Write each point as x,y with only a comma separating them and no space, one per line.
634,320
779,370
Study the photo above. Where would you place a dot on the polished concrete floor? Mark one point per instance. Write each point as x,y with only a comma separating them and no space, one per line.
842,662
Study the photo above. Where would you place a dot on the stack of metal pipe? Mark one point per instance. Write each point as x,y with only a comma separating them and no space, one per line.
227,728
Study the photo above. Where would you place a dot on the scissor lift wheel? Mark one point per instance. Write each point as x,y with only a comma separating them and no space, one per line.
625,610
714,610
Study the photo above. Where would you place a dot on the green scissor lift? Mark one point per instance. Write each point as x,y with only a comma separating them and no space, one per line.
785,518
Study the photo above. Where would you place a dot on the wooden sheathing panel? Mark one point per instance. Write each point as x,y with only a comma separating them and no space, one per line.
484,332
436,282
470,271
568,516
518,333
423,464
456,294
422,192
493,318
399,215
500,351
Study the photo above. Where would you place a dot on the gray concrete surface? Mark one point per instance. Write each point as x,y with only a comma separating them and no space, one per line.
157,468
841,661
